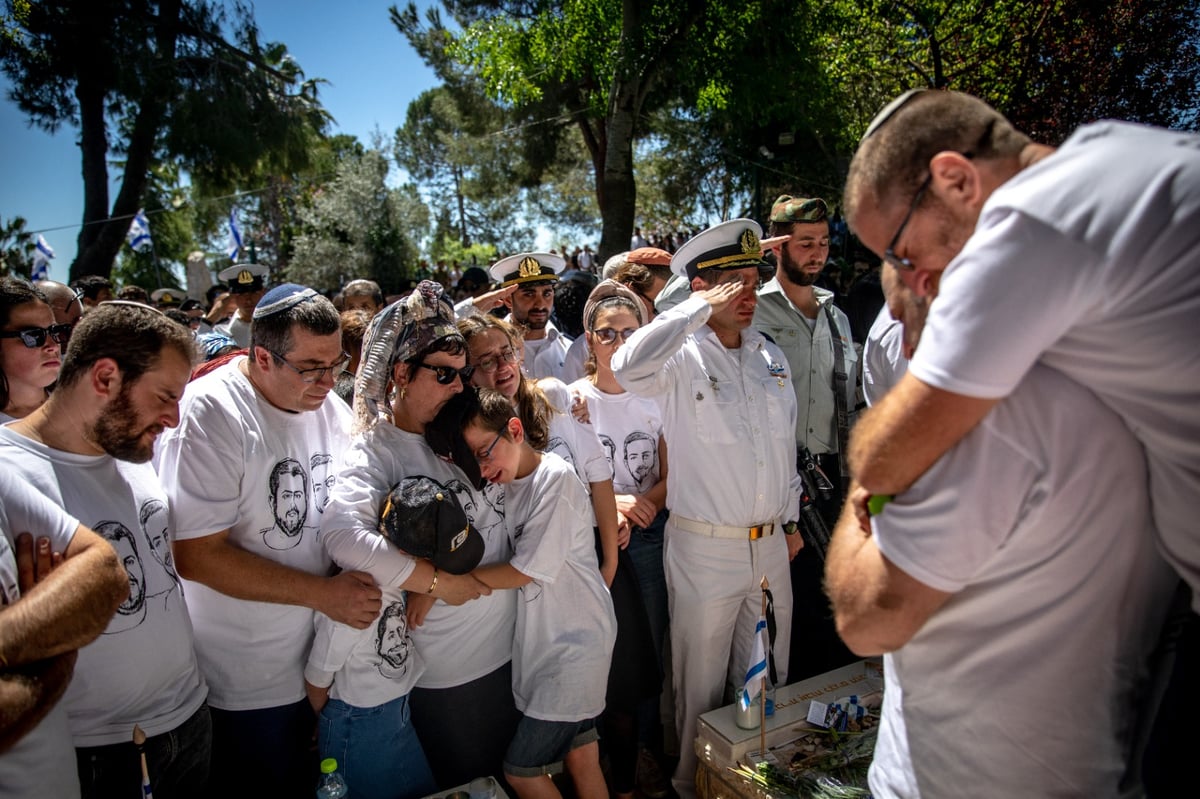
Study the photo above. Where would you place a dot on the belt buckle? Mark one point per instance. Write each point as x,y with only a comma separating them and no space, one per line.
756,532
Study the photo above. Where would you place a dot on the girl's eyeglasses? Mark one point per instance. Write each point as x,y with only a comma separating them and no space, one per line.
608,335
34,337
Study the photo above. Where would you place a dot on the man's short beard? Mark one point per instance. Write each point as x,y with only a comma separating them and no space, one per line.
793,272
116,431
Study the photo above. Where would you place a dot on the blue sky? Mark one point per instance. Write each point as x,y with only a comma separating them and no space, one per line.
373,74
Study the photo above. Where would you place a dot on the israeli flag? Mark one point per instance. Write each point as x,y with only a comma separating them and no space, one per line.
42,254
139,232
235,236
757,669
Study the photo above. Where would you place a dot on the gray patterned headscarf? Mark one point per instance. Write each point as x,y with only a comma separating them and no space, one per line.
397,333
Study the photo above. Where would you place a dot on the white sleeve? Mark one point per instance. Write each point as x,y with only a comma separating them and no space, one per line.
646,363
465,308
954,519
201,468
331,648
349,526
24,510
883,356
543,546
1012,292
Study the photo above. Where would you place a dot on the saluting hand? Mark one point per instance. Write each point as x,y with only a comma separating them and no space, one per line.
722,294
494,299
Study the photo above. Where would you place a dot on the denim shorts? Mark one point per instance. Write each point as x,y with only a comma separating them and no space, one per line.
539,746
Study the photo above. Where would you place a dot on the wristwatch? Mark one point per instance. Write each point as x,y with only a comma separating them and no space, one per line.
790,528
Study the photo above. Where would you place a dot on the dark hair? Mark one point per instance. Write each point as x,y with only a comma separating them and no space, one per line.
534,405
176,315
132,335
288,466
14,291
591,366
363,288
274,332
492,410
893,161
452,344
91,285
134,294
354,328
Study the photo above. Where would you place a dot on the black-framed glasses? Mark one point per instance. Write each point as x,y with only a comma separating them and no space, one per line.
889,254
34,337
317,373
445,374
486,455
608,335
492,362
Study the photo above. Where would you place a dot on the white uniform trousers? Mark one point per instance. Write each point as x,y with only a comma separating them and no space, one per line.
715,600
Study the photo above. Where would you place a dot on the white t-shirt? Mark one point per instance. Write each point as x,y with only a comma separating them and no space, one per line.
1026,680
883,356
460,643
544,357
40,764
565,623
142,669
1089,262
370,667
575,362
236,329
237,462
573,441
629,428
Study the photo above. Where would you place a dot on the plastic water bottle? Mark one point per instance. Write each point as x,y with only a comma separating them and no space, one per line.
332,786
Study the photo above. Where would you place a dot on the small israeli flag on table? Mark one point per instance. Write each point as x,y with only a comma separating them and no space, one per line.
756,671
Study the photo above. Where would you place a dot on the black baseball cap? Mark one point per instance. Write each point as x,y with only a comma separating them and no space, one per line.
425,519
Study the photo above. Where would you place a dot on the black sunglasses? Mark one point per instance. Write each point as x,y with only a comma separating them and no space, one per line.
34,337
445,374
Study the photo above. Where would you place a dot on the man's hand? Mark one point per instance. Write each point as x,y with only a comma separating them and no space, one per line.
222,307
491,300
795,543
351,598
722,294
637,509
624,531
34,564
417,609
455,589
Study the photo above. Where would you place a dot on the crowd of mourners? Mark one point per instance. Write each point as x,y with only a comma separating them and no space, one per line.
519,522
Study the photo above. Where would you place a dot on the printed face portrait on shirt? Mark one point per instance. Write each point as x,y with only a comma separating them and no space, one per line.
641,455
288,495
323,479
132,611
155,520
391,640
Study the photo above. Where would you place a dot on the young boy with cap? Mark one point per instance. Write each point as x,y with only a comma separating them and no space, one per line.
358,681
565,624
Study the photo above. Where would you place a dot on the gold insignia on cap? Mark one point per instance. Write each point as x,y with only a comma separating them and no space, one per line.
439,496
529,267
244,277
749,243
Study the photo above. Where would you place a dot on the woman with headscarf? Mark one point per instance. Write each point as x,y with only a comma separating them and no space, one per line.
31,347
413,363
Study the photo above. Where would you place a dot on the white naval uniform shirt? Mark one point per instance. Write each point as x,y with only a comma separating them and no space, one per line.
723,414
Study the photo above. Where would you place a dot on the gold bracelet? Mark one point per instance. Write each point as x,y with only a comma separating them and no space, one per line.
433,585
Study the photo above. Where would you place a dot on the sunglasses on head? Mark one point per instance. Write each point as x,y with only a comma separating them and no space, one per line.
608,335
445,374
34,337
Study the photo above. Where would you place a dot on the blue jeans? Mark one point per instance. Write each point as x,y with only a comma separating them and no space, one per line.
177,762
539,746
376,748
646,551
265,752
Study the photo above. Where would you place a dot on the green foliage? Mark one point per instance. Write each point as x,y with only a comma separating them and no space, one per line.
356,226
16,248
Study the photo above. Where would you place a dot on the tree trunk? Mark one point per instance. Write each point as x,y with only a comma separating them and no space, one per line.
100,240
618,189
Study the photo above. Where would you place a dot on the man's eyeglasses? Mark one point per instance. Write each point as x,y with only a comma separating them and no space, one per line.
492,362
445,374
317,373
608,335
34,337
486,455
889,254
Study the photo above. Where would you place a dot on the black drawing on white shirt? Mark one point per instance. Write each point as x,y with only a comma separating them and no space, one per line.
132,611
288,495
155,521
532,589
468,500
641,456
323,478
559,447
610,449
392,642
493,494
